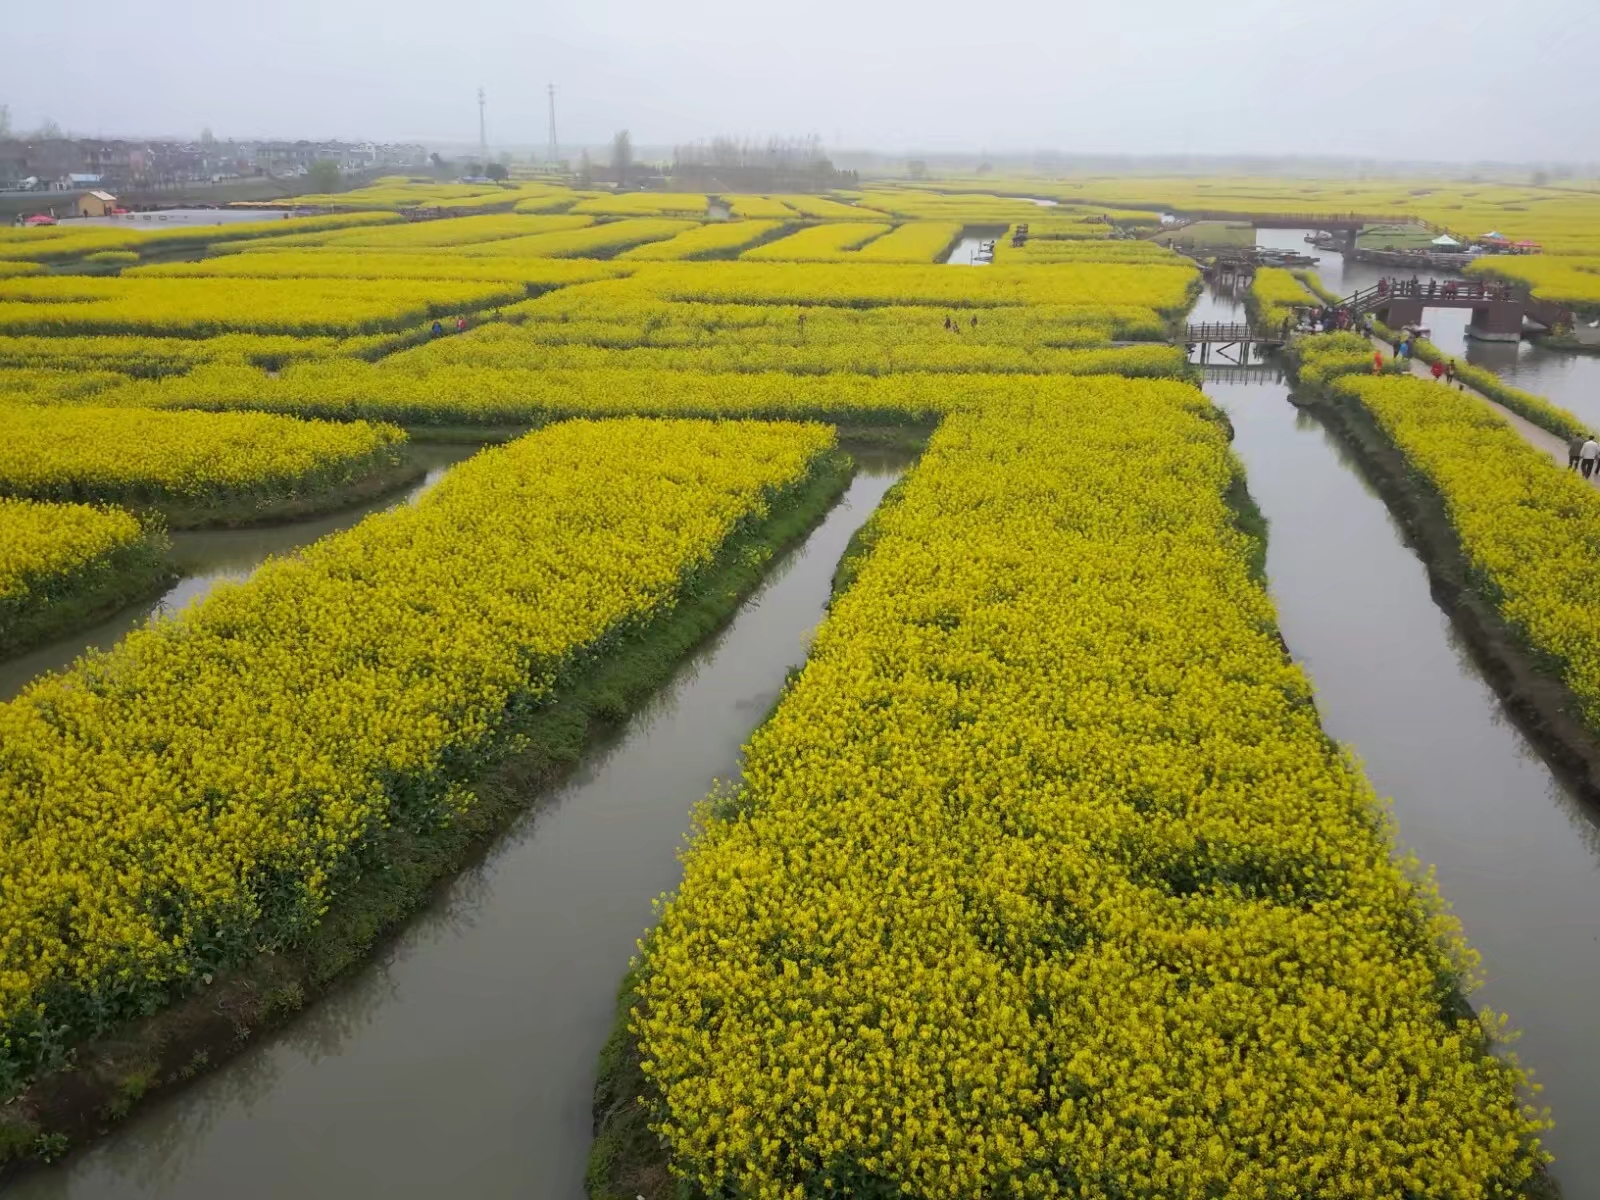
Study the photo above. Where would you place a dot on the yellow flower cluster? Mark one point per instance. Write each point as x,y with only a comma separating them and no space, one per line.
603,239
1274,295
200,307
57,242
144,457
1531,527
43,544
1572,280
341,389
424,235
823,208
1044,880
144,356
58,560
714,240
643,204
913,242
1161,286
818,243
201,790
336,262
760,208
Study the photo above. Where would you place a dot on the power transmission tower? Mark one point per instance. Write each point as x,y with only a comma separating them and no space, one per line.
555,148
483,138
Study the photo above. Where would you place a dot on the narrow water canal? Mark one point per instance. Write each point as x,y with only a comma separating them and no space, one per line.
1518,855
1570,380
461,1063
206,557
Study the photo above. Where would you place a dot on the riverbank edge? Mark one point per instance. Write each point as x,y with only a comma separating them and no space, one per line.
1539,702
127,575
378,480
155,1056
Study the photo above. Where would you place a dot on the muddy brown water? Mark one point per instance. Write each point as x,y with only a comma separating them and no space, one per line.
208,557
461,1062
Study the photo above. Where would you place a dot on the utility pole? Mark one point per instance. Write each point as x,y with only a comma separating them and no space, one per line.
555,149
483,138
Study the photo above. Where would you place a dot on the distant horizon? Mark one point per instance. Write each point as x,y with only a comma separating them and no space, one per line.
1024,160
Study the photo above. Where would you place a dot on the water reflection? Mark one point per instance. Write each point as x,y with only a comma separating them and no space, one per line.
461,1061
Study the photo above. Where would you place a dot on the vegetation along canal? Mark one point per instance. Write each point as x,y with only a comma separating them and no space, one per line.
461,1061
1518,856
206,557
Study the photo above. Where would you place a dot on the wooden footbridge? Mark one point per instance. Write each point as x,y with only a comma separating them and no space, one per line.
1498,309
1230,342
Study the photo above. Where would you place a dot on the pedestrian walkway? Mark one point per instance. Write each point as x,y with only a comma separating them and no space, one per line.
1539,439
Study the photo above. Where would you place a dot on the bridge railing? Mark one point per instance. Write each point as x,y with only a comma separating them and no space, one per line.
1446,290
1234,331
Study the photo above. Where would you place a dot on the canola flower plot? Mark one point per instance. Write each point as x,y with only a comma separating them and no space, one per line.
55,243
471,393
596,241
818,243
202,790
64,564
1275,294
186,463
1165,287
760,208
1044,880
203,307
423,235
718,239
1530,528
914,242
824,208
335,262
646,204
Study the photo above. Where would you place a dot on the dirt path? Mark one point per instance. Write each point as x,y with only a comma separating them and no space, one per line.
1539,439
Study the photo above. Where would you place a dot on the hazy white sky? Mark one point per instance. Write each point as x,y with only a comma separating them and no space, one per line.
1471,79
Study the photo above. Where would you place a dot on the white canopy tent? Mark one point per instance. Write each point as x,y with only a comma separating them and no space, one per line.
1445,242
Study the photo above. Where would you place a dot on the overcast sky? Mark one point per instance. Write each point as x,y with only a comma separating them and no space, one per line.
1473,79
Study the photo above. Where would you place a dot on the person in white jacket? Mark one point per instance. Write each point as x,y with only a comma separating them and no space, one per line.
1588,455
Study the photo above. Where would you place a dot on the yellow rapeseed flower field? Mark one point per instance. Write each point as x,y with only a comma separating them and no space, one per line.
201,790
1531,528
53,556
1044,880
148,457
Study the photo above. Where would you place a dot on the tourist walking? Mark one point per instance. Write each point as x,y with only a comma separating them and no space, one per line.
1575,451
461,324
1590,452
1377,362
1450,372
1438,371
438,329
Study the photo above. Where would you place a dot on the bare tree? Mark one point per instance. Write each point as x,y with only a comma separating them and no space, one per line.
622,156
5,120
48,131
